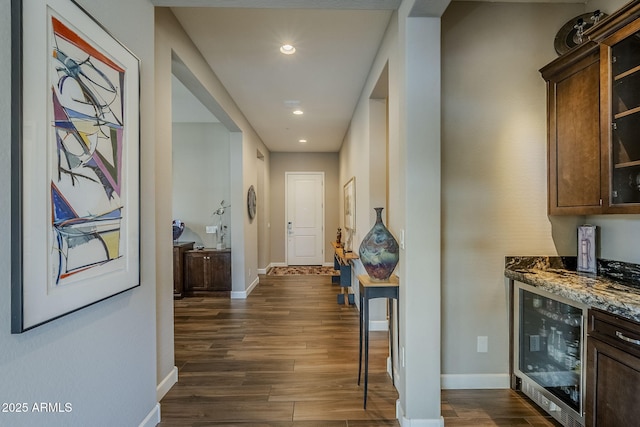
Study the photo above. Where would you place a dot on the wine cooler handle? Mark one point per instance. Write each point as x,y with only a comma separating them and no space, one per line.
627,339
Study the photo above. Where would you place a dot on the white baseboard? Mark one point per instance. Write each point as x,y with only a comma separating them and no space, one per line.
284,264
153,418
474,381
245,294
393,373
268,267
166,384
406,422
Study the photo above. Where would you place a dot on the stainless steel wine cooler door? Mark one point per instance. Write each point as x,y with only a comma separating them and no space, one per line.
549,353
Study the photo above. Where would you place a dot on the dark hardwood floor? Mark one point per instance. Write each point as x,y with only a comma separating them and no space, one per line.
288,356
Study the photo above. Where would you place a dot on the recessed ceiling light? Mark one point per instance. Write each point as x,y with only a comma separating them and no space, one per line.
287,49
302,141
298,112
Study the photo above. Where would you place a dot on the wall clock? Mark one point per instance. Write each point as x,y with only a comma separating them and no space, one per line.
251,202
571,33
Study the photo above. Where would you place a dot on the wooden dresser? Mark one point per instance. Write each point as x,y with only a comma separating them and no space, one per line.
207,271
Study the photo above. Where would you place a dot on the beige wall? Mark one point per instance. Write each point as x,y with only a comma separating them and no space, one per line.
263,212
606,6
411,48
102,358
494,173
201,179
172,42
303,162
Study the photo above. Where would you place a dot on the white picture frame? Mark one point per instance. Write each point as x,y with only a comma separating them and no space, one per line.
350,205
75,156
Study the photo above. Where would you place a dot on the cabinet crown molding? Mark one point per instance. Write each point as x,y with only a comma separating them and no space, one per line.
614,22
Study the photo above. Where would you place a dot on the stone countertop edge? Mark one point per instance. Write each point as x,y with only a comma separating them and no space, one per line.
615,289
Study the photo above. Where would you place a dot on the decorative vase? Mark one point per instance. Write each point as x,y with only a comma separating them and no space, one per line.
178,228
379,251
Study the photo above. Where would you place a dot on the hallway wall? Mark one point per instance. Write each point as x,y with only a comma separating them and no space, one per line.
411,49
494,174
303,162
173,45
201,180
100,359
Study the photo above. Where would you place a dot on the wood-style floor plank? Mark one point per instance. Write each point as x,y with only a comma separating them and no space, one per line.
287,356
467,408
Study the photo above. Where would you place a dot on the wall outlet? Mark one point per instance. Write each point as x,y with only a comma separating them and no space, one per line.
483,344
212,229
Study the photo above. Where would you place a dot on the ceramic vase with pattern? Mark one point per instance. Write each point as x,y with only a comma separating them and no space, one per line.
178,228
379,252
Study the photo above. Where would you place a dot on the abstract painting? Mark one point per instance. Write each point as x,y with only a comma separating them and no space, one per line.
350,204
76,213
349,201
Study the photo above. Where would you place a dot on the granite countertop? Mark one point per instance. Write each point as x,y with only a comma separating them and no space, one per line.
615,289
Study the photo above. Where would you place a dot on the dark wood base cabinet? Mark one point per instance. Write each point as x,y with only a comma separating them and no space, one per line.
613,371
207,271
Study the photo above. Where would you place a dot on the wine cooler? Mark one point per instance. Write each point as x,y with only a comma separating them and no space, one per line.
549,352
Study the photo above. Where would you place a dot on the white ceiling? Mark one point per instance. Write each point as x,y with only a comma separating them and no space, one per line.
336,42
334,52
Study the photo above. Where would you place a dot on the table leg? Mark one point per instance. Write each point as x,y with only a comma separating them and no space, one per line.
360,347
366,350
390,305
398,326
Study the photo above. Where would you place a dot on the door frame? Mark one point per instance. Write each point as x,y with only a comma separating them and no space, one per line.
286,211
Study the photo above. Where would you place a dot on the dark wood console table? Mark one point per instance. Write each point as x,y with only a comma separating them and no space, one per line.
368,291
342,264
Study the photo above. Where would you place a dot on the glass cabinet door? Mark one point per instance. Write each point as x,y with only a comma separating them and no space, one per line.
550,347
625,120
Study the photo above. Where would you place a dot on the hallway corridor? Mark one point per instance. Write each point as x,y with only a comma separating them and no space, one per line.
288,356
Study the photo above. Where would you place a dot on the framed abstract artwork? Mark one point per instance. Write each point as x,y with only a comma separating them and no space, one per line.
350,204
75,157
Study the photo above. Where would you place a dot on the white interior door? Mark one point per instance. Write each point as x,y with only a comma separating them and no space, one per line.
305,218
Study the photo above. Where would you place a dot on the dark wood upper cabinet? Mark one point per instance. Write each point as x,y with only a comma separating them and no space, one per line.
593,119
620,108
573,117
